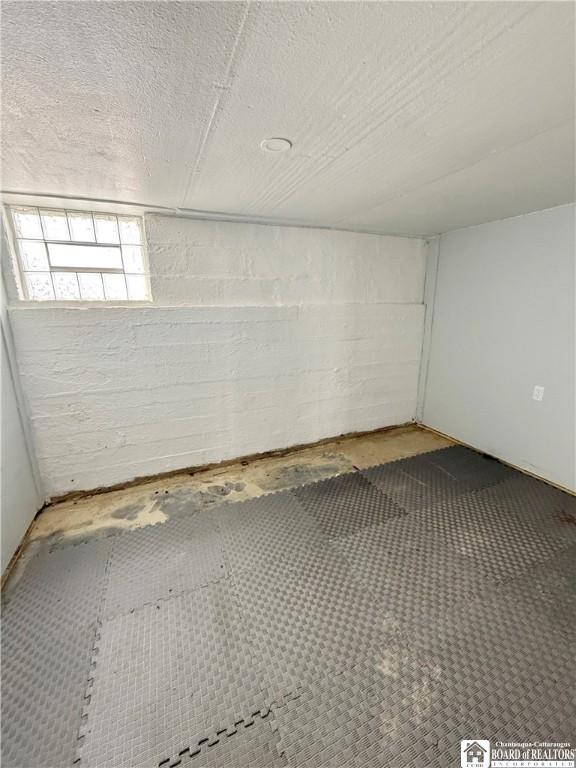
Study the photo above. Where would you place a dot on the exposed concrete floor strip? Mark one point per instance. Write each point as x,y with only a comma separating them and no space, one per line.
155,501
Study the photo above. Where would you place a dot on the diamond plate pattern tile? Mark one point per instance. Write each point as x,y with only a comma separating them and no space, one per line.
346,504
412,486
407,709
162,561
167,674
504,529
372,622
551,588
470,469
430,733
431,478
48,632
309,622
345,719
44,680
516,643
251,744
269,532
62,589
408,570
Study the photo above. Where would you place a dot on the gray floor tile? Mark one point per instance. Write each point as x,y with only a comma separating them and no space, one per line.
251,744
163,561
165,675
435,477
308,623
359,621
271,532
49,622
346,504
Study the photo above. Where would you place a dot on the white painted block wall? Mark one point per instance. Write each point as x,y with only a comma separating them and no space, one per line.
503,323
258,338
21,494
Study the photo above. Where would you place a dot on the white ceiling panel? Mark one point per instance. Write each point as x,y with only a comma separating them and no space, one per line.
405,117
506,179
110,99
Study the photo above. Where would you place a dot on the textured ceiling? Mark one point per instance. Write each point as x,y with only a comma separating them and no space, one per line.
405,117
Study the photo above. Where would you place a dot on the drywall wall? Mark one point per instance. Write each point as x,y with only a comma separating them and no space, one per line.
504,323
21,496
258,338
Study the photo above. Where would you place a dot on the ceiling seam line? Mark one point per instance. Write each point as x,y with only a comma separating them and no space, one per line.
462,168
221,96
297,183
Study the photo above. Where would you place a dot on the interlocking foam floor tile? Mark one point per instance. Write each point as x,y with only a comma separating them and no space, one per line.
405,566
345,719
346,504
504,529
63,588
167,674
429,734
252,744
48,632
497,641
270,532
408,707
309,622
551,586
469,469
163,561
431,478
336,626
44,680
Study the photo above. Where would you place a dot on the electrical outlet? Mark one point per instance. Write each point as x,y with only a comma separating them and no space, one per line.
538,393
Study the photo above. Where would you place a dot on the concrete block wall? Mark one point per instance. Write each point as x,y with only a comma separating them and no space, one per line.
221,263
257,338
21,492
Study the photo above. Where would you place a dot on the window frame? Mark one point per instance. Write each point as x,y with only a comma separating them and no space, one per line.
11,207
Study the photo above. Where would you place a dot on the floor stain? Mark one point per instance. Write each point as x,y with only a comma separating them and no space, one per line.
129,512
301,474
158,500
188,500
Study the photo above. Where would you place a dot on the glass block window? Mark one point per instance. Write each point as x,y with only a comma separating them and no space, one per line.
80,256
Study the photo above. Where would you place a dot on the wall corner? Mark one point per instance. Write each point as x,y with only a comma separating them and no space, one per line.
432,252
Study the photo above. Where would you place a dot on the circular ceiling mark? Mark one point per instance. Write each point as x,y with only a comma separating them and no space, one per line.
276,145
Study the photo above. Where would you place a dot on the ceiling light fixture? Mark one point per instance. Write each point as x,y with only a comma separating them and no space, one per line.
276,145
